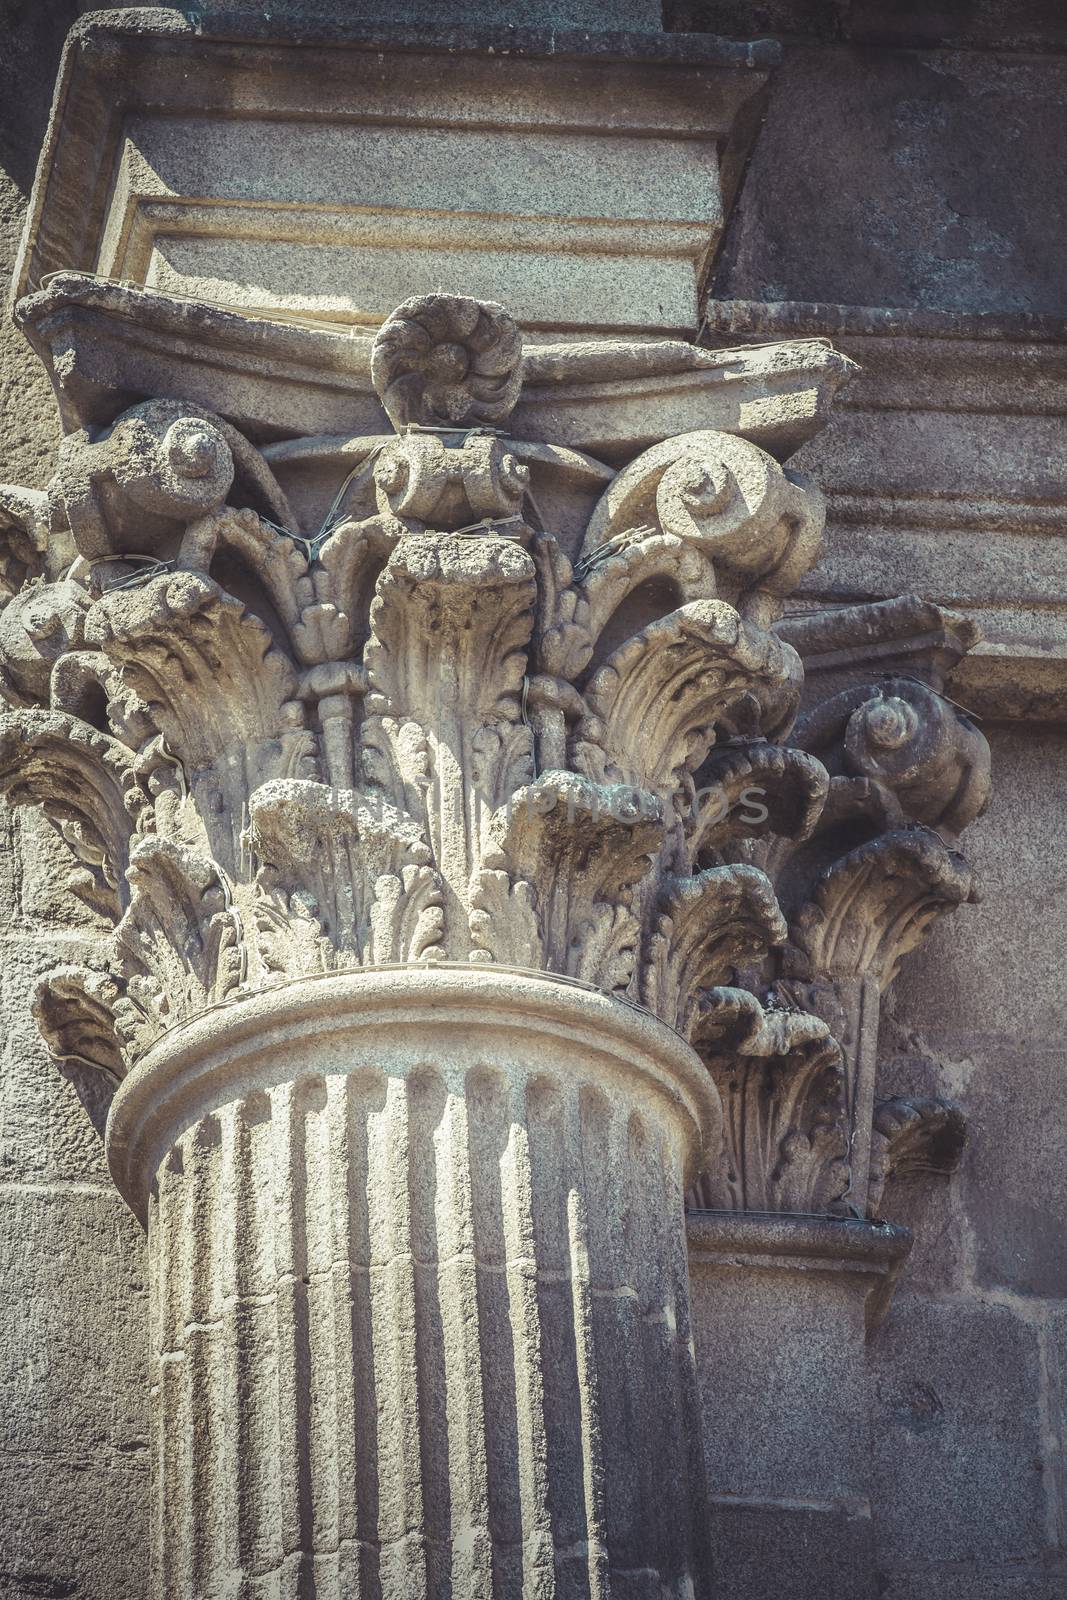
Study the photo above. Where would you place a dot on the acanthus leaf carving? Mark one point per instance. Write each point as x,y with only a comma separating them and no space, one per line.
36,554
74,1008
782,1081
504,924
266,556
212,681
749,790
438,726
914,1134
351,866
605,596
656,701
90,790
206,667
703,928
180,946
575,853
443,728
407,918
875,904
39,625
909,769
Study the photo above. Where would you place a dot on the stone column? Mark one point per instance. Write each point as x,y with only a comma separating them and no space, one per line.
418,915
420,1303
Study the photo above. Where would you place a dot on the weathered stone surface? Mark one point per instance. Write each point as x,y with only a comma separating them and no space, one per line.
960,1016
977,1581
1054,1415
68,1533
615,15
96,1417
918,218
941,478
958,1436
962,1516
48,1134
356,161
796,1548
908,24
74,1445
781,1311
33,39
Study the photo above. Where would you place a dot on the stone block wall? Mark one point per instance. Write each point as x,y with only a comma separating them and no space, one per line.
970,1412
73,1300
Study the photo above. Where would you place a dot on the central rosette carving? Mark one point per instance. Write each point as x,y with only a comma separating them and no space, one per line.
438,729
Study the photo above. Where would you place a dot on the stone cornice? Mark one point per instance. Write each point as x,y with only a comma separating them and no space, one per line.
730,319
941,472
106,346
102,201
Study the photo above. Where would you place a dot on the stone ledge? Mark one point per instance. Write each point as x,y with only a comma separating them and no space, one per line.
583,178
970,407
541,43
805,1244
784,319
108,345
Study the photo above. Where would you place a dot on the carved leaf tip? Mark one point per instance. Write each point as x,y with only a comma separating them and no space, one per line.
911,1135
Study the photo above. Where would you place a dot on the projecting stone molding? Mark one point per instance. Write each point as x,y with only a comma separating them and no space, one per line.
942,471
584,177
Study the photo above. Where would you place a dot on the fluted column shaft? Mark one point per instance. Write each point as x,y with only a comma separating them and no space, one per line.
420,1293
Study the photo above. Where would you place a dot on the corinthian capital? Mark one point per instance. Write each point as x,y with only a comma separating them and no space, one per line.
441,726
